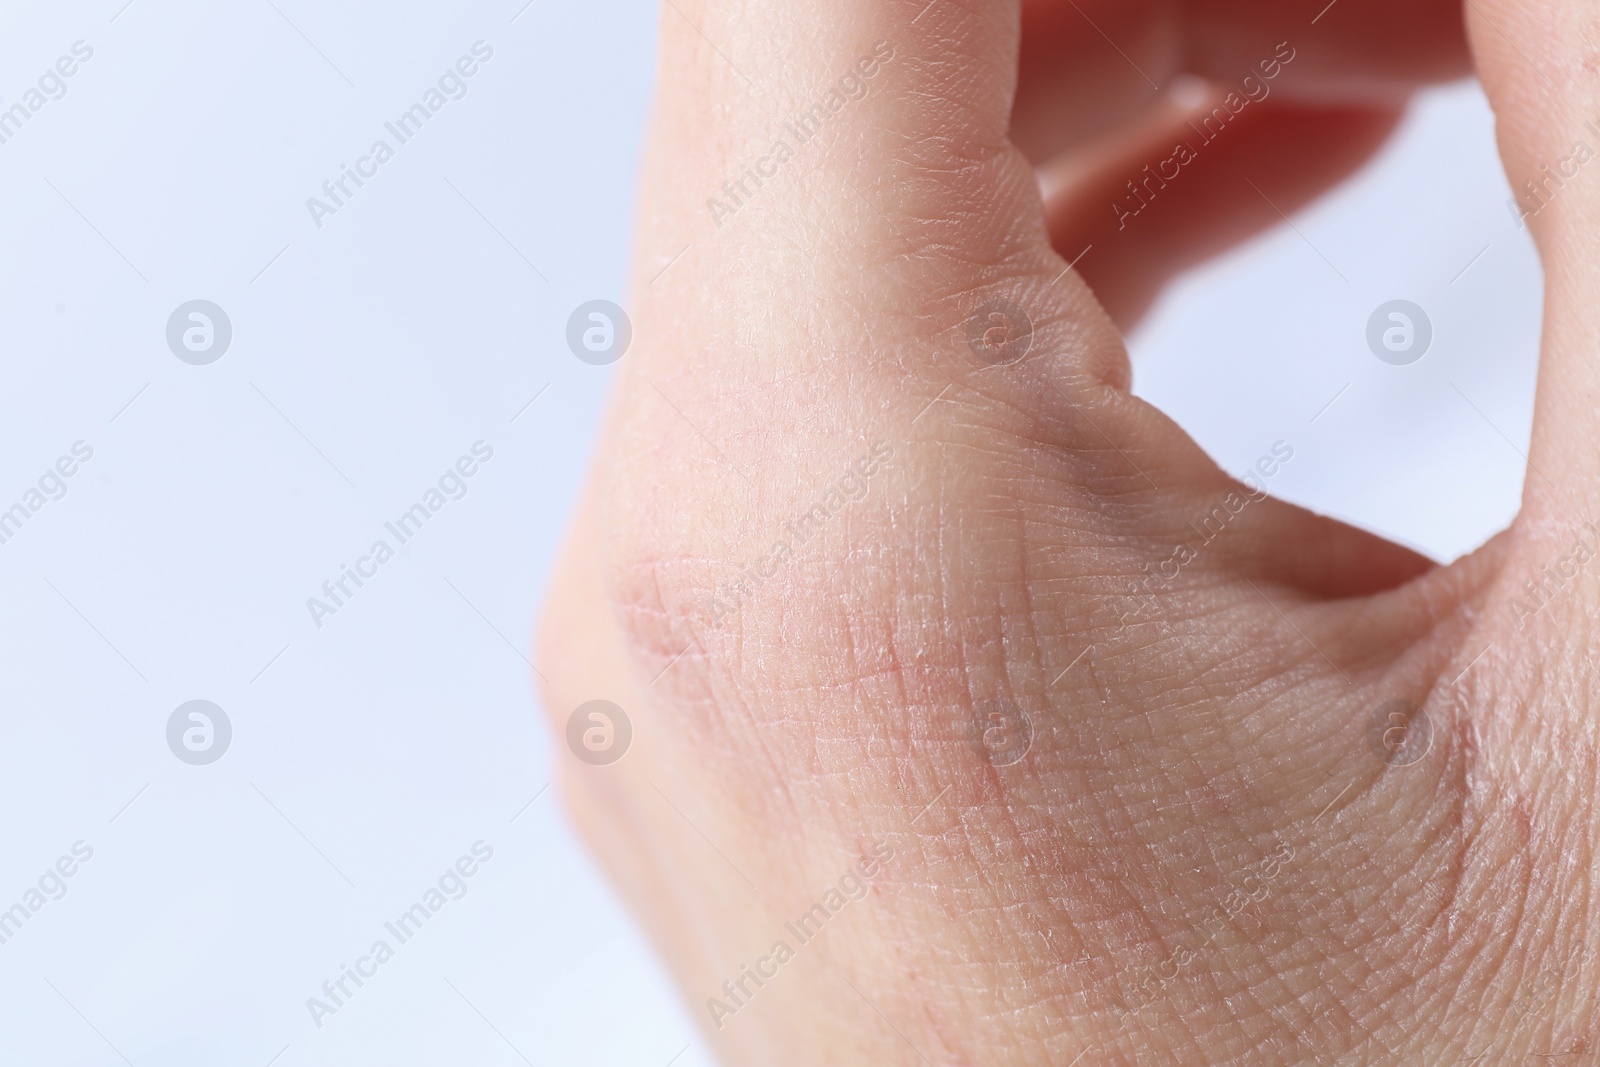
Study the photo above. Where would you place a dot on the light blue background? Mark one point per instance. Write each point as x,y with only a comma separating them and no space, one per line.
366,358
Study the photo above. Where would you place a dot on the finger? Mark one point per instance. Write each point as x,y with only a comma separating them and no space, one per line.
1538,68
1349,49
844,87
896,189
1089,65
1183,187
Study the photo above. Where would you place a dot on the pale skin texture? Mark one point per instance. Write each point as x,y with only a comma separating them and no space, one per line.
1203,857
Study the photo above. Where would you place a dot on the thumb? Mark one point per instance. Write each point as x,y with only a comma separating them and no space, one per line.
845,144
1536,60
768,94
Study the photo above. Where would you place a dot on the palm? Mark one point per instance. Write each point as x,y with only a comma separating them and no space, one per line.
1166,769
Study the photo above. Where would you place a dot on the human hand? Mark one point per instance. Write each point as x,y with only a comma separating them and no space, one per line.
1126,762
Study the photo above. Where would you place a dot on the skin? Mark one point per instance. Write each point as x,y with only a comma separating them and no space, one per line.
1219,847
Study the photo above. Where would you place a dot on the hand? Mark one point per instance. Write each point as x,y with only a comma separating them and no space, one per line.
978,718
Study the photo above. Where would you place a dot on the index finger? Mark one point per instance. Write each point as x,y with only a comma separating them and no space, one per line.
1088,65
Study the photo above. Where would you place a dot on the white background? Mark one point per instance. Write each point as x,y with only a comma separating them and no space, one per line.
370,753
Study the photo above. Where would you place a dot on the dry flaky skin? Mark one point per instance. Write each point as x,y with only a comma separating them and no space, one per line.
1212,851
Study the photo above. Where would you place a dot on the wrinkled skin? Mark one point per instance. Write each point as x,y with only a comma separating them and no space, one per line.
1224,844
